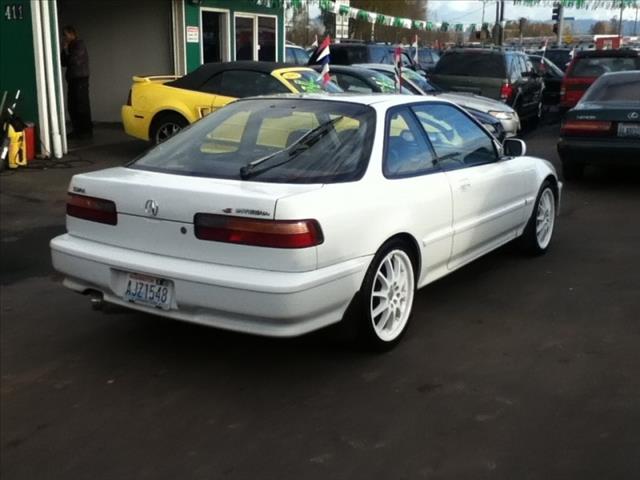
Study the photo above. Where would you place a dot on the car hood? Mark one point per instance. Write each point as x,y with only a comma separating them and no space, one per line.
478,102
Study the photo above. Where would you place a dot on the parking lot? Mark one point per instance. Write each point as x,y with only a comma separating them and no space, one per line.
513,367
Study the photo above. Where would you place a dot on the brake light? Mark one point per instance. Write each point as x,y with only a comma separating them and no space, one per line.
92,209
506,92
585,127
260,233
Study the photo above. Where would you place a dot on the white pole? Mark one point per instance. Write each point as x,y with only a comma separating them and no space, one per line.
43,110
53,106
59,83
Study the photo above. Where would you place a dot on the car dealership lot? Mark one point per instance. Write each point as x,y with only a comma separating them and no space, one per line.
513,367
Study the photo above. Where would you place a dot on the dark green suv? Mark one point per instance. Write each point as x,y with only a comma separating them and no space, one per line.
504,75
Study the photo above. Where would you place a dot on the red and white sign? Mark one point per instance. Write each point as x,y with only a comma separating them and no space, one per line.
193,34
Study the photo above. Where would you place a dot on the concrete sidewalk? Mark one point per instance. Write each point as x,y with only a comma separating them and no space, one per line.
35,196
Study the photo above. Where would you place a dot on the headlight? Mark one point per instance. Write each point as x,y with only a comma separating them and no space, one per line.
501,115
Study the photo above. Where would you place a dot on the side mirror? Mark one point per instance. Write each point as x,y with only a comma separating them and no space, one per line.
514,147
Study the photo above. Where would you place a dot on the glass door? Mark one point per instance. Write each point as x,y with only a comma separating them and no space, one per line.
245,37
267,39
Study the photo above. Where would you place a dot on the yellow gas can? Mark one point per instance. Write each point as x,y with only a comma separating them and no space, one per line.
17,155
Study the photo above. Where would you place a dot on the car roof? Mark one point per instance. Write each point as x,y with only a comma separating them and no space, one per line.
384,99
376,66
356,70
622,52
205,71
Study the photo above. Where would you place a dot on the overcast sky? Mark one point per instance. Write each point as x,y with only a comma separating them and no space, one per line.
470,11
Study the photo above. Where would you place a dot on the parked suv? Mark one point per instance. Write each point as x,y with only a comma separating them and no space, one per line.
588,65
348,53
494,73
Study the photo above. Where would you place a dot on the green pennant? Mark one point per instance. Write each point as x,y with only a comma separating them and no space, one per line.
444,27
458,27
397,22
344,10
363,15
429,26
381,19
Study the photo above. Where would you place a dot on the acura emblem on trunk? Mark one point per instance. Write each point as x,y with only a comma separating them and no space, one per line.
633,116
151,208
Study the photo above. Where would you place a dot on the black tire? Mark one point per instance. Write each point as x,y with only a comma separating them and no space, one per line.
360,311
572,169
165,125
529,240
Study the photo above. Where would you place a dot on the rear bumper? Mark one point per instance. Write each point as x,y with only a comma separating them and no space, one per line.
136,124
605,151
279,304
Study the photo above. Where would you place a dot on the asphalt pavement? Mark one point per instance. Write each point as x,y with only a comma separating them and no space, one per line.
513,367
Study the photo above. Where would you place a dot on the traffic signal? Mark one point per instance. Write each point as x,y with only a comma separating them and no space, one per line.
555,15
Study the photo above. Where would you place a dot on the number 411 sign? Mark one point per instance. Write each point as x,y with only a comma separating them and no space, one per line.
13,11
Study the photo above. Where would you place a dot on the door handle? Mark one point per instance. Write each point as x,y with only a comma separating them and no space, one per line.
465,184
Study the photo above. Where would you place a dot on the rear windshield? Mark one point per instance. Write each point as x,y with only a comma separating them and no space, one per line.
307,81
471,64
559,57
295,141
596,66
615,89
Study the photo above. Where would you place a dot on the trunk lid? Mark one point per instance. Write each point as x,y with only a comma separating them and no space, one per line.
176,199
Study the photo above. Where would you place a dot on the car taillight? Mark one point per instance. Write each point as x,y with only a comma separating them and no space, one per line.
261,233
506,92
585,127
92,209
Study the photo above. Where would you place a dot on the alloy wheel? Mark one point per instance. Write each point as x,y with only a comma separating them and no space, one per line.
166,131
392,295
545,218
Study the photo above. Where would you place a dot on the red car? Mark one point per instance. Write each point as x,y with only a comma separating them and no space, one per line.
588,65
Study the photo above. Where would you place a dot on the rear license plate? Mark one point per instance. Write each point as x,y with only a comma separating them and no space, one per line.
147,290
629,129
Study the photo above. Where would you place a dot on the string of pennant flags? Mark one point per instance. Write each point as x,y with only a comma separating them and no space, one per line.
427,26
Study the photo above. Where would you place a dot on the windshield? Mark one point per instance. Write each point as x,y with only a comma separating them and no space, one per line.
596,66
308,81
222,143
615,89
471,64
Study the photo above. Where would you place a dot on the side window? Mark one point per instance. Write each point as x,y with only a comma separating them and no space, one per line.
302,57
515,68
457,140
289,55
351,84
406,60
213,84
243,83
529,65
407,152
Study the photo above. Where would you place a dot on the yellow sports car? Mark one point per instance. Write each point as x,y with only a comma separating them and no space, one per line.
160,106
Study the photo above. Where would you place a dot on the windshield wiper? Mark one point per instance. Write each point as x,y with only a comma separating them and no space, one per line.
250,169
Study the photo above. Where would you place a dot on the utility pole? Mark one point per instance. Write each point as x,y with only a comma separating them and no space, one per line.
620,22
501,22
635,24
498,28
560,25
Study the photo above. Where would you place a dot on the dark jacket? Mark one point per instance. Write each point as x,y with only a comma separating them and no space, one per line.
76,58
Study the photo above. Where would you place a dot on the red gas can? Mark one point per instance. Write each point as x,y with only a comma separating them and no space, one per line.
30,140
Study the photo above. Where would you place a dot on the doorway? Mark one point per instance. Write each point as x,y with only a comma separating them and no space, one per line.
215,47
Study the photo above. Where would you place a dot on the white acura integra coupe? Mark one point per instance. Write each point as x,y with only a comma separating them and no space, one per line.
282,215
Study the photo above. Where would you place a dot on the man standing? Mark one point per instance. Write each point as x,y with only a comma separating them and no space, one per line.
76,59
